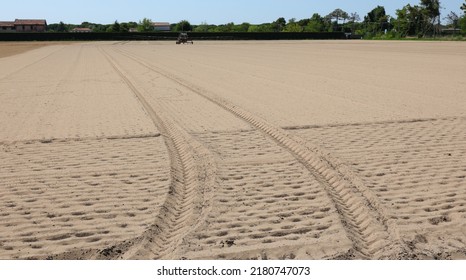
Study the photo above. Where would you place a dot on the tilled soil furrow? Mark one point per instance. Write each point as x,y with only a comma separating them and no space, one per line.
345,196
163,238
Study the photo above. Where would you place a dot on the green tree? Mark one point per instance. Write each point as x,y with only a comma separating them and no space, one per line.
337,14
353,19
376,14
431,8
462,25
132,24
243,27
124,27
462,20
229,27
62,27
410,21
265,27
376,20
402,22
86,24
59,27
145,25
203,27
183,25
115,27
99,28
279,24
304,22
293,26
315,24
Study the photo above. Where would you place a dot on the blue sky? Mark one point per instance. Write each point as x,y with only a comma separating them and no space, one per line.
210,11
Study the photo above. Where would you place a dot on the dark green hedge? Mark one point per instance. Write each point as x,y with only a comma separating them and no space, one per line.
170,36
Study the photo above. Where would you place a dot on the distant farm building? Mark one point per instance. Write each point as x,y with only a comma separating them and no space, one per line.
24,25
81,30
451,31
7,26
161,26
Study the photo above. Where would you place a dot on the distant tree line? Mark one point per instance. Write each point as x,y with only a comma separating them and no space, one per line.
422,20
95,27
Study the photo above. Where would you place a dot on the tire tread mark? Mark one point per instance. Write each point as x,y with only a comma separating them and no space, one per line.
161,240
368,226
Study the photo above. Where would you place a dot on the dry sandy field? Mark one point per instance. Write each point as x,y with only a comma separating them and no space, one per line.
233,150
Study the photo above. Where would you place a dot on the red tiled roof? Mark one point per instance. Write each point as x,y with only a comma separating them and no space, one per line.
30,22
7,24
160,24
81,29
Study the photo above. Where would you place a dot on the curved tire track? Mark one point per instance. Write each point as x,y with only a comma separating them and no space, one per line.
369,226
163,238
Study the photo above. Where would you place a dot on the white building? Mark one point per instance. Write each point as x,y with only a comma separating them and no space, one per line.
161,26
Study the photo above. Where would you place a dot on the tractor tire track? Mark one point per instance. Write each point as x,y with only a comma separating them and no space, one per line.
368,225
161,240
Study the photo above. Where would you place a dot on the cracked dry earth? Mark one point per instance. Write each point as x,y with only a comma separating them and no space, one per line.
234,150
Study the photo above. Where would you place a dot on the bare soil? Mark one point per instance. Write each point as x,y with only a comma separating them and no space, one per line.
233,150
14,48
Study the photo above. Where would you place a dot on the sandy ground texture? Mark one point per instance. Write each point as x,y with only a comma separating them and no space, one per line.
234,150
14,48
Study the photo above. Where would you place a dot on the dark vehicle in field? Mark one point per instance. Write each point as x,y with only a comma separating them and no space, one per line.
183,38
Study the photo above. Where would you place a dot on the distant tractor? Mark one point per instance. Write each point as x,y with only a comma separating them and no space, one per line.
184,39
